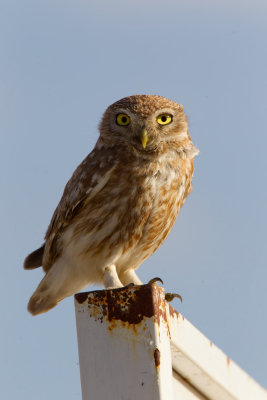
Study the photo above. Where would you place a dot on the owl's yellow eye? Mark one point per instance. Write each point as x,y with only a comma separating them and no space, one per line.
123,119
164,119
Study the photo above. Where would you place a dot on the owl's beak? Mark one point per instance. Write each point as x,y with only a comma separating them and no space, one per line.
144,137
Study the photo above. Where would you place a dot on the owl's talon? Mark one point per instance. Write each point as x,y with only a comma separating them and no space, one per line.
170,296
155,280
129,285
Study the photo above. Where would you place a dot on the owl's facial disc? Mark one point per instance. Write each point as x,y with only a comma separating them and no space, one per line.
122,119
144,130
144,122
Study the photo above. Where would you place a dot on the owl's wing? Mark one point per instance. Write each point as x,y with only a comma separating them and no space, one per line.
88,179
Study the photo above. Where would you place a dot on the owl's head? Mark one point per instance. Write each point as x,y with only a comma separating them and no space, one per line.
144,122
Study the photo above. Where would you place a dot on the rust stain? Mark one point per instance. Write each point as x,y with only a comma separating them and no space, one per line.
173,312
160,309
228,361
157,357
81,297
211,344
128,305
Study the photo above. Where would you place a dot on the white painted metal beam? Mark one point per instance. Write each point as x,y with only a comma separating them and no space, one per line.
206,367
134,345
124,347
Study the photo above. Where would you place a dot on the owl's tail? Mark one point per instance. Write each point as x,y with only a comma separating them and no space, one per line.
40,304
34,259
62,280
42,299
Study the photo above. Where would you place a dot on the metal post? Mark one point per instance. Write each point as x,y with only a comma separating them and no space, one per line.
124,345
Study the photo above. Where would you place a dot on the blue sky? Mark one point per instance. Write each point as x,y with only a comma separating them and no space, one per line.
62,63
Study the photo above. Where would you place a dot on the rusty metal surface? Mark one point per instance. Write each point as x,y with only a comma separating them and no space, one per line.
157,357
130,304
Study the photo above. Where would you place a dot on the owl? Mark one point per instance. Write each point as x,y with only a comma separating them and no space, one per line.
120,203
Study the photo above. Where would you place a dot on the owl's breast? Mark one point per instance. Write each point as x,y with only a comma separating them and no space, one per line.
170,188
130,217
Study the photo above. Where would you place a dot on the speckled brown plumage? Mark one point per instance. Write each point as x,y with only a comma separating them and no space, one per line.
120,203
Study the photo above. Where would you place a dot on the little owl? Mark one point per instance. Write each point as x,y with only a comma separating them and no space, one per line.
120,203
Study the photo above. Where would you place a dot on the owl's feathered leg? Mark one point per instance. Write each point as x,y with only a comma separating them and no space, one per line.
129,276
110,277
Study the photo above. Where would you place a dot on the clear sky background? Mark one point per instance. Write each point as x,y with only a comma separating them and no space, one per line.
62,63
